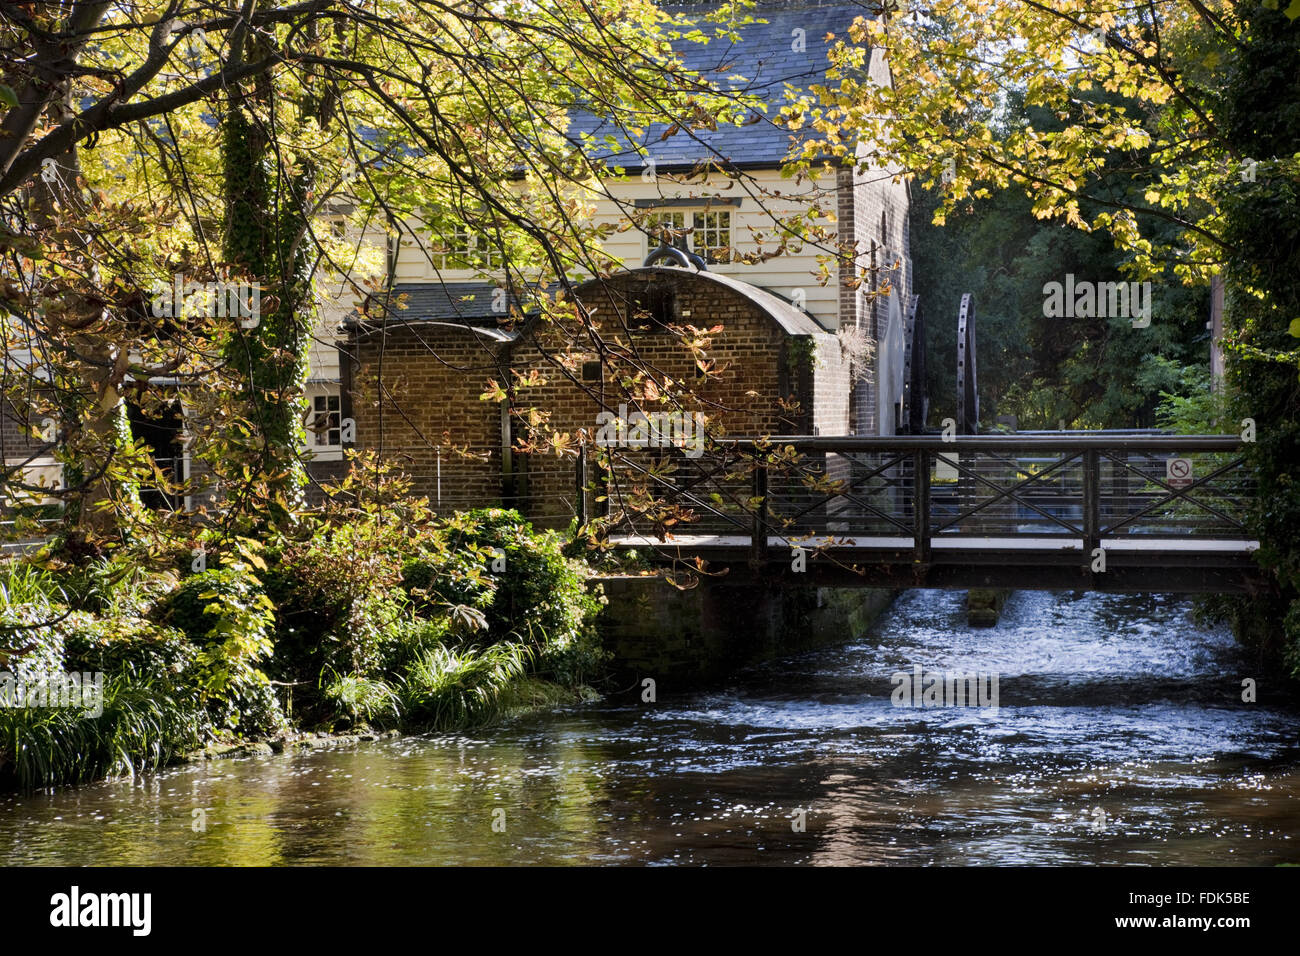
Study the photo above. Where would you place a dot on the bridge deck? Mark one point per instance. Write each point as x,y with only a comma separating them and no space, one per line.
828,543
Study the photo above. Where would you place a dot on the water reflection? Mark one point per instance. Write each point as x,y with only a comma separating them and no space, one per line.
1120,738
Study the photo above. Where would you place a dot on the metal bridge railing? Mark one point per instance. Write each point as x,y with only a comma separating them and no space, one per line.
1085,487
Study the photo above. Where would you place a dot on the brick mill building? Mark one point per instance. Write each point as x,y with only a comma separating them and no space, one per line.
416,359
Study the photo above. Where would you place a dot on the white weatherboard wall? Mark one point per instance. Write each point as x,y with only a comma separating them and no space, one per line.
337,296
751,222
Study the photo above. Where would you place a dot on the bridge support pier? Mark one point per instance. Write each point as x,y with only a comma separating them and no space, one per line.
984,606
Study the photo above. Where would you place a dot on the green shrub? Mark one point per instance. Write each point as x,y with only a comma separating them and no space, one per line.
414,636
121,584
349,598
374,613
114,644
443,576
152,706
337,605
145,722
31,607
541,598
574,659
363,698
226,614
447,688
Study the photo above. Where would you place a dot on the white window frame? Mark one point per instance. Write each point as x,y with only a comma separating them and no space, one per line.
318,444
464,251
697,217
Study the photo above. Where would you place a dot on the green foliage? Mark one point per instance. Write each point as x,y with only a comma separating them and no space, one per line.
363,698
446,577
415,636
365,599
145,722
800,356
1200,410
227,615
1261,114
541,596
339,603
1087,372
362,619
116,585
138,645
31,612
446,688
336,601
266,224
152,706
25,585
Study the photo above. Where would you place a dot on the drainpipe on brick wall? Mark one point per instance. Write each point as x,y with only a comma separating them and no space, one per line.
507,452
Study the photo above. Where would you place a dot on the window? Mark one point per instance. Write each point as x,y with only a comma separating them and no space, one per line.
591,371
712,236
711,231
326,421
459,249
658,221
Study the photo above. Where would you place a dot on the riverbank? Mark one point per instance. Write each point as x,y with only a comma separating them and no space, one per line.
525,696
382,619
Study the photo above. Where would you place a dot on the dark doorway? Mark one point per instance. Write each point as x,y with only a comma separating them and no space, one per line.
161,433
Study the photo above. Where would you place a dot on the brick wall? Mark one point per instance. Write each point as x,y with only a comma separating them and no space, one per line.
755,360
433,375
414,394
16,439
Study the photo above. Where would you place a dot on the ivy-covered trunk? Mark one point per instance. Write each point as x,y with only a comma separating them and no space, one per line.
266,220
94,461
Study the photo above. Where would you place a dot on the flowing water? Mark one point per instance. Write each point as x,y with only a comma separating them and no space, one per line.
1120,737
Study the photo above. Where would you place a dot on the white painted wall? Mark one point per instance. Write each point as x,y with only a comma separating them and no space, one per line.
753,228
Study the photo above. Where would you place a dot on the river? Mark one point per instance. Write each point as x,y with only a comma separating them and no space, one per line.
1120,738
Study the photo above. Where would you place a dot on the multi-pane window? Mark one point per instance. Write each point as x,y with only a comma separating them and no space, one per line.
326,421
711,231
712,236
658,221
460,249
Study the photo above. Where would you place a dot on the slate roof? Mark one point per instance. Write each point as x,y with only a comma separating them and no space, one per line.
766,59
466,302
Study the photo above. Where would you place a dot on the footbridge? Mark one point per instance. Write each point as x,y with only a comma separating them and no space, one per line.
1086,511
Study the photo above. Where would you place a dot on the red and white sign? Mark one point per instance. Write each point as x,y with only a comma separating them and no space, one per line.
1178,472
